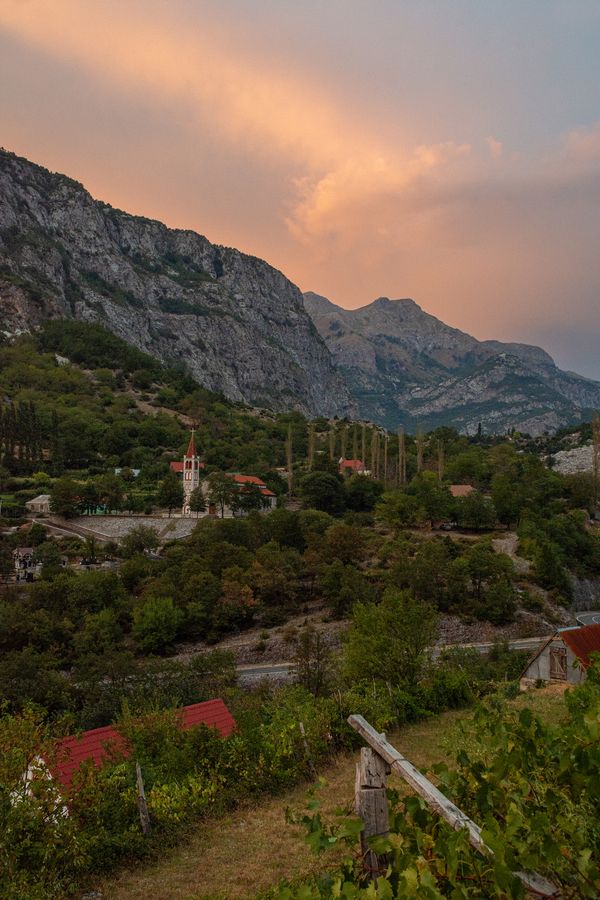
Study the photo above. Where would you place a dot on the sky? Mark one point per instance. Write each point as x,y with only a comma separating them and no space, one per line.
444,151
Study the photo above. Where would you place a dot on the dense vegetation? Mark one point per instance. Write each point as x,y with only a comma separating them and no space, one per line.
391,552
531,786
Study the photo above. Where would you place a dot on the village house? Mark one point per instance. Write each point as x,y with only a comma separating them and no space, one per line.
565,657
24,564
349,467
461,490
39,506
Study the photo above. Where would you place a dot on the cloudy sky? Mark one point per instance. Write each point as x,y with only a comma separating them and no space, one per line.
446,151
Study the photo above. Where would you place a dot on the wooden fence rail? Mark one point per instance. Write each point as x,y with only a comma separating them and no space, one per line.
535,884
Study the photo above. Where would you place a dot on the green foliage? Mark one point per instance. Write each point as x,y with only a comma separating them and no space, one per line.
388,640
156,624
323,491
531,786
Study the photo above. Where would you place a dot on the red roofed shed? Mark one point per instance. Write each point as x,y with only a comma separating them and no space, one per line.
564,657
103,743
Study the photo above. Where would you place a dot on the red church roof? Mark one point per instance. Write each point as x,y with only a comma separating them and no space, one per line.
582,641
102,743
176,466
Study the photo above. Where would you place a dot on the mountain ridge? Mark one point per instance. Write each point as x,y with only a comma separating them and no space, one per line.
237,324
405,367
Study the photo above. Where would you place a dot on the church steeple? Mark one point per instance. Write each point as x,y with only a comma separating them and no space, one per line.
191,473
191,450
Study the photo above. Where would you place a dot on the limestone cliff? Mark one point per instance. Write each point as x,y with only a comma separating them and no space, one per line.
237,324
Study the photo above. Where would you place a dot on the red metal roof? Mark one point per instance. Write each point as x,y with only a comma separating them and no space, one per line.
176,466
102,743
582,641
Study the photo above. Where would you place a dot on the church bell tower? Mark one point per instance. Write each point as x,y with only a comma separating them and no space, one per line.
191,473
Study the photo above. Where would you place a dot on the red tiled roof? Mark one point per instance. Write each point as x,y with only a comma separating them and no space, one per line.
247,479
101,743
354,464
582,641
178,466
461,490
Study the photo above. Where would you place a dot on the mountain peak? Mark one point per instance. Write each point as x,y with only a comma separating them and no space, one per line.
406,366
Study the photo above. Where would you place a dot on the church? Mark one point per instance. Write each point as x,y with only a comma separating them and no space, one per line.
191,471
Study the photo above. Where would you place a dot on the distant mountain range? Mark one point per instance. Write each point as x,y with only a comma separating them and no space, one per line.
405,367
243,329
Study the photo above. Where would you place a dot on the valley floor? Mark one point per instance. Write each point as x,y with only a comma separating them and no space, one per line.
250,850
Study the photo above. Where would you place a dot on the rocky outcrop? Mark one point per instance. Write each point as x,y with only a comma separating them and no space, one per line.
237,324
405,367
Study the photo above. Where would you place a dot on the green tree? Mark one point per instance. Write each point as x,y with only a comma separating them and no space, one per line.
342,586
156,624
197,501
312,661
323,491
362,492
65,497
139,539
475,511
170,492
221,491
398,510
388,641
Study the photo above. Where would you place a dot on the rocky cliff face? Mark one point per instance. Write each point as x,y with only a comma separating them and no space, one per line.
238,325
405,367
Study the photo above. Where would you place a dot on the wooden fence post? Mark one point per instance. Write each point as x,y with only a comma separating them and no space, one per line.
309,759
142,805
534,883
371,806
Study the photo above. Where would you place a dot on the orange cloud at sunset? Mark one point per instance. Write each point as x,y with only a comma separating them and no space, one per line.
358,149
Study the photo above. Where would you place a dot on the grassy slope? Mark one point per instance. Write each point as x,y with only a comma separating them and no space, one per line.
253,848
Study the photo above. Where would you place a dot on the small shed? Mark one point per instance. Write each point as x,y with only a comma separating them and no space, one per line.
565,657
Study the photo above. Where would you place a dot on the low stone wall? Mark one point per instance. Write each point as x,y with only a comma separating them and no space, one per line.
114,528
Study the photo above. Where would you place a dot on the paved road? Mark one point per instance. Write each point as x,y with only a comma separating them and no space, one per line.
284,671
278,671
589,618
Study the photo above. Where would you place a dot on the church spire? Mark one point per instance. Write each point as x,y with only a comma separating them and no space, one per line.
191,450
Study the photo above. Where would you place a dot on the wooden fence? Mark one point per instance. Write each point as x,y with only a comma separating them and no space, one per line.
371,803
